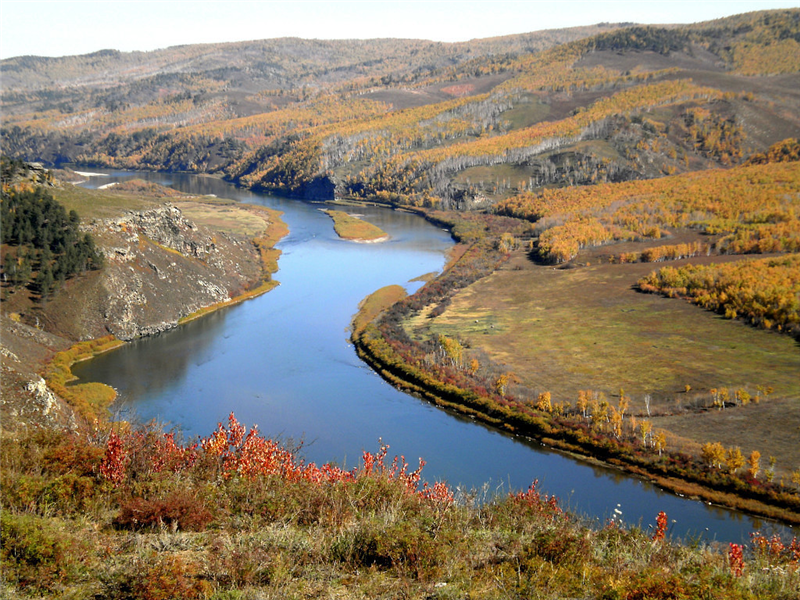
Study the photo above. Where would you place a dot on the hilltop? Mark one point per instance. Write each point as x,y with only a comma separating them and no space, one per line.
418,123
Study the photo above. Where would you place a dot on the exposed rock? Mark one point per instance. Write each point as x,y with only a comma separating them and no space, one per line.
162,267
159,268
25,399
45,400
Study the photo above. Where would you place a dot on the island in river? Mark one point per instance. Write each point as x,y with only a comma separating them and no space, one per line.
354,229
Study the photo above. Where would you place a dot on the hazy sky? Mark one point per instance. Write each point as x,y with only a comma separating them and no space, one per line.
60,28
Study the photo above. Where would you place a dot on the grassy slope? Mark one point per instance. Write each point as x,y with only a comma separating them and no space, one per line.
208,532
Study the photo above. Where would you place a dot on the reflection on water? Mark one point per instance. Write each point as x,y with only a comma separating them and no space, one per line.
283,361
153,366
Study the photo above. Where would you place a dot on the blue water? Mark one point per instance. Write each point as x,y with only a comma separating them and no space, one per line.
283,361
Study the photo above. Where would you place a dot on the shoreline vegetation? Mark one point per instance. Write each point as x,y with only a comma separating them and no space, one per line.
354,229
381,341
579,442
138,513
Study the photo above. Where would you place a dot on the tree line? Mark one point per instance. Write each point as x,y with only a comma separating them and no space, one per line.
42,243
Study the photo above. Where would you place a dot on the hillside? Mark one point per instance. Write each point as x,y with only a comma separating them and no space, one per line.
410,122
166,256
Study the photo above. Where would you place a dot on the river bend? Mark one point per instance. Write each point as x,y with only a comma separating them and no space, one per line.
283,361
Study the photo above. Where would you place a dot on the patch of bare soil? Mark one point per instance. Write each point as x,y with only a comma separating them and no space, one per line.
413,98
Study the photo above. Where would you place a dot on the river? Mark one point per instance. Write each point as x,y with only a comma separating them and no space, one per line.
283,361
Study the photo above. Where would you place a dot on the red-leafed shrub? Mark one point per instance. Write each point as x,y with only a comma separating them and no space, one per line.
176,512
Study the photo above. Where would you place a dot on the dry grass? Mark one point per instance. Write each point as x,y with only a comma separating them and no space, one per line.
352,228
231,218
68,533
771,427
375,304
565,330
101,204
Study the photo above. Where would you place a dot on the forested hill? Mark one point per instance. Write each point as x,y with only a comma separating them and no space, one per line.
421,123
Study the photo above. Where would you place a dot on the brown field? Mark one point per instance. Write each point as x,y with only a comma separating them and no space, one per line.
232,218
565,330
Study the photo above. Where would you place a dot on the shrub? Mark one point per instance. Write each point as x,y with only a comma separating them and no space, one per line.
38,554
169,578
177,511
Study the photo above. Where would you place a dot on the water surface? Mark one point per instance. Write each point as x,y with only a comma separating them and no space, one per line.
283,361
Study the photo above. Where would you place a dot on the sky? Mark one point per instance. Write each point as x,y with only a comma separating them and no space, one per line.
63,27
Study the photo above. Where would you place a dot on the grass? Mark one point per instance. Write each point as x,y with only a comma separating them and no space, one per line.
231,218
101,204
586,328
90,400
526,114
352,228
209,531
374,304
565,330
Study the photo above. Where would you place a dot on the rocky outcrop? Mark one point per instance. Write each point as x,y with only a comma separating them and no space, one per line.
160,267
25,399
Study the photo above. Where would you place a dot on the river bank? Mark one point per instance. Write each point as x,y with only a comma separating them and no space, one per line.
162,270
675,472
283,361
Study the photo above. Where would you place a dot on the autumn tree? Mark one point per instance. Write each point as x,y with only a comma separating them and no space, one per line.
583,402
474,365
624,403
769,474
646,431
501,383
660,441
714,454
753,464
743,396
616,422
543,403
452,349
734,459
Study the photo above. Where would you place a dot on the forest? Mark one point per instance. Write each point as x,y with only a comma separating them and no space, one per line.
42,243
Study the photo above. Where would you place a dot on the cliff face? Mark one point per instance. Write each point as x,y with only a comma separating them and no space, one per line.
162,267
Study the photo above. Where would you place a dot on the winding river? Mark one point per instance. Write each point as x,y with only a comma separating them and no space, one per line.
283,361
